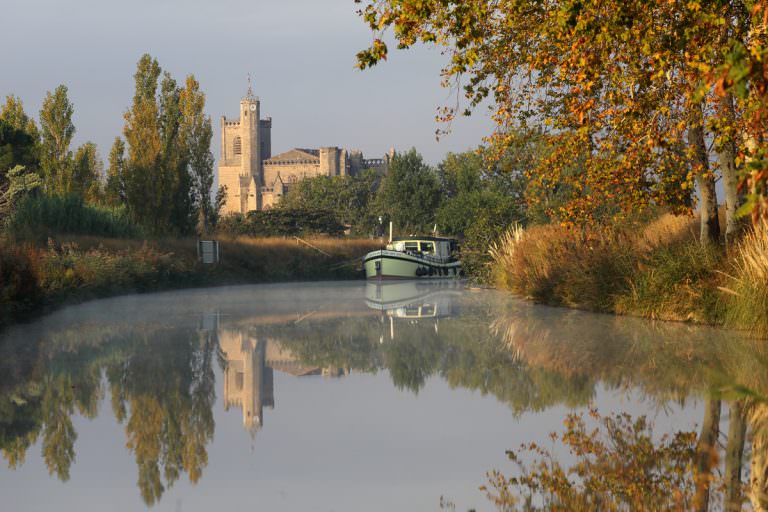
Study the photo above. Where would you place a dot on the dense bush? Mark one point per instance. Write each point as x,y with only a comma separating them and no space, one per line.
348,197
281,222
19,289
39,216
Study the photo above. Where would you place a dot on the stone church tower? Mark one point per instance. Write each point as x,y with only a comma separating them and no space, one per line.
256,180
245,144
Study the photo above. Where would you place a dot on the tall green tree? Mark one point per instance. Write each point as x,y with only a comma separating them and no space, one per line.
19,154
19,140
196,131
87,172
409,194
12,112
348,197
175,179
143,192
57,131
168,168
483,197
461,172
114,190
17,147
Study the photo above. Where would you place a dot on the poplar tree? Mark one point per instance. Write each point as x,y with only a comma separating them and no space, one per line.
197,131
114,190
87,171
57,131
143,193
173,171
168,171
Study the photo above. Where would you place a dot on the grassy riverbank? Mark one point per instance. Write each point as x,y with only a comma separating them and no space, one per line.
658,271
71,269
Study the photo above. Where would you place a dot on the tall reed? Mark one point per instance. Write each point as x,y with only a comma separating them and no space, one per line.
558,266
502,253
75,268
656,270
748,293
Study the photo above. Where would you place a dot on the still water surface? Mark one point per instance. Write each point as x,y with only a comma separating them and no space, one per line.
326,396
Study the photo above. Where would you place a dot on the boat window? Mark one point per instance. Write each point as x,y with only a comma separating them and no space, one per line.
412,310
427,310
427,247
411,246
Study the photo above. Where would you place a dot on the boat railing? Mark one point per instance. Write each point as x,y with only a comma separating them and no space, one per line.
426,257
433,259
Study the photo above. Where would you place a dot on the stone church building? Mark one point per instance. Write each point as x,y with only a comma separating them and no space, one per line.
255,179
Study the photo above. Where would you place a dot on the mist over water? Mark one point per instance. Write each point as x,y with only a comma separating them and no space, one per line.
323,396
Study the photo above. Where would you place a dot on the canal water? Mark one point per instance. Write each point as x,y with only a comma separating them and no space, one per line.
336,396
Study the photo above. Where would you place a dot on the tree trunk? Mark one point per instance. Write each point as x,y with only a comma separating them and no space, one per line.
751,144
710,224
726,154
758,469
734,451
706,454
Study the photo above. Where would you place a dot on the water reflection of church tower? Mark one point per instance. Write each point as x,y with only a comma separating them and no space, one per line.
248,381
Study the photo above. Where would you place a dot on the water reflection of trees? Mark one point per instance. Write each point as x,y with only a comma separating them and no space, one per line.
161,384
463,351
532,358
165,398
665,361
162,389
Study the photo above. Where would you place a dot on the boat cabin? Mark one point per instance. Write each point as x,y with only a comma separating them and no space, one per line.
436,247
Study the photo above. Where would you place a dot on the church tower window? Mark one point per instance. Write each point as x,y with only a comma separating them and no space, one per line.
237,145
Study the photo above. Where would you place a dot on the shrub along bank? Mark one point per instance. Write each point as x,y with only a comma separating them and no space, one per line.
38,215
72,269
660,271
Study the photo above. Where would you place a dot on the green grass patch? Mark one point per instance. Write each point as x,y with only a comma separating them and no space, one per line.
40,216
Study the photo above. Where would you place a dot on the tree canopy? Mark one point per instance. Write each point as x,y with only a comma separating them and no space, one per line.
166,176
409,193
627,92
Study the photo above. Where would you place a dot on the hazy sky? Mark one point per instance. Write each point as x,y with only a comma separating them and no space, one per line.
301,54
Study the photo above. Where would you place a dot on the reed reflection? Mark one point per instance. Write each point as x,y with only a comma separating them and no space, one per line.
723,465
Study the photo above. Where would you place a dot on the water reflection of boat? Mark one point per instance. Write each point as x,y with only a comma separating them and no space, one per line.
414,299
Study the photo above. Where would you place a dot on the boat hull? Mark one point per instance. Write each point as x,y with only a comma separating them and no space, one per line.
396,265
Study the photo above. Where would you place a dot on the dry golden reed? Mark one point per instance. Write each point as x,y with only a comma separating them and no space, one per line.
657,270
748,295
77,268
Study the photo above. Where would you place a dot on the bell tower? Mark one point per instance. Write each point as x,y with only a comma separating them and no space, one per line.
250,112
